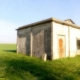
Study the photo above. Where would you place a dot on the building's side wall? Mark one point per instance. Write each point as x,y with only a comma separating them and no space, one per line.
59,29
41,42
35,40
23,41
74,34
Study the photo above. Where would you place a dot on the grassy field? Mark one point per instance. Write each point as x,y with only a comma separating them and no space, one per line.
19,67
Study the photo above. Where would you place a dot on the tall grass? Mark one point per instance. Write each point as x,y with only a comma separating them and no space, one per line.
20,67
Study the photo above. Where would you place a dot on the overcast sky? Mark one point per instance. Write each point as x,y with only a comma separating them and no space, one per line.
15,13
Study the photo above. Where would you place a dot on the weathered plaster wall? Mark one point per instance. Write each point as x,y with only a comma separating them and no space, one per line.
35,40
59,29
23,41
41,40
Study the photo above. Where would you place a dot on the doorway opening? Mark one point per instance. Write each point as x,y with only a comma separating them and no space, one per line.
61,46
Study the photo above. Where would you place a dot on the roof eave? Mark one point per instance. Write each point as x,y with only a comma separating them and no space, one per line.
65,23
48,20
36,23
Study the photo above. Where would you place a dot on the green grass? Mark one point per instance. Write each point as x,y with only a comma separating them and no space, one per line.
20,67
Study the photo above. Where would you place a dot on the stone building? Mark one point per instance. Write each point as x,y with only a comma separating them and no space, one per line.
56,38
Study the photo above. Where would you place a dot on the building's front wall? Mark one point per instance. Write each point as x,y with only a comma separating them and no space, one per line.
74,35
60,31
69,36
